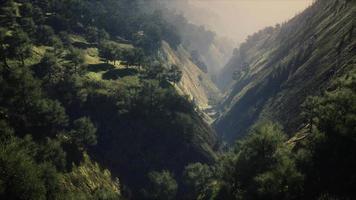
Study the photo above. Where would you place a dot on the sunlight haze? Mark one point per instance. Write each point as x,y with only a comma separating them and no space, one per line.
239,18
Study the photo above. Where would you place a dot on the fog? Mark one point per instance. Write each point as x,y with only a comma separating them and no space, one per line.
237,19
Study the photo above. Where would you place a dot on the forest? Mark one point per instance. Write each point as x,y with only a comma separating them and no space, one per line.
97,102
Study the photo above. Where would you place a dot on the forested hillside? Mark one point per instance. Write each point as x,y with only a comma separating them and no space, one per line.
87,108
110,100
290,103
272,73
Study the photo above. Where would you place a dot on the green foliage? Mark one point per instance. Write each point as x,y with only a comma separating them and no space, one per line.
22,96
89,181
6,132
49,118
111,51
21,176
45,35
64,36
76,58
19,46
28,26
154,71
162,186
140,120
133,57
49,69
318,163
84,132
8,10
52,152
96,36
331,145
174,74
3,46
136,122
26,9
263,167
199,179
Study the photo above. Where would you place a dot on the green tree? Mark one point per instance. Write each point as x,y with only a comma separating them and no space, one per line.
26,9
92,34
47,118
162,186
84,132
52,152
27,109
109,51
8,13
57,45
133,57
23,176
117,53
103,35
19,46
66,41
76,58
88,180
45,34
20,176
129,57
198,178
174,74
28,25
149,38
155,70
38,15
330,144
49,69
263,167
96,36
4,46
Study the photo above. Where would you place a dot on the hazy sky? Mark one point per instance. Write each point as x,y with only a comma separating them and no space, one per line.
239,18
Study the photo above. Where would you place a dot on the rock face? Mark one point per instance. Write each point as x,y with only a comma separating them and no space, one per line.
195,83
273,72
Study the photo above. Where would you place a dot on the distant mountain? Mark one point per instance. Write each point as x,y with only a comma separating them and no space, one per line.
272,73
198,28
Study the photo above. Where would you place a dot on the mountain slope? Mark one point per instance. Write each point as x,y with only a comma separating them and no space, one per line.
277,68
137,134
195,83
73,117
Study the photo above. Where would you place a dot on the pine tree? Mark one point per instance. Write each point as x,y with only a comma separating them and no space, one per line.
20,46
175,74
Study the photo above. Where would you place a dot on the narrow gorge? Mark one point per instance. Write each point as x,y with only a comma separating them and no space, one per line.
177,100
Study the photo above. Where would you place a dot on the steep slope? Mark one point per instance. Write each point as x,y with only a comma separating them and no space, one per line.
140,134
277,68
209,51
65,97
195,83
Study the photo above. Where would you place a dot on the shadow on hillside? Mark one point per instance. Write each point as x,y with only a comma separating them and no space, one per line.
83,45
100,67
119,73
